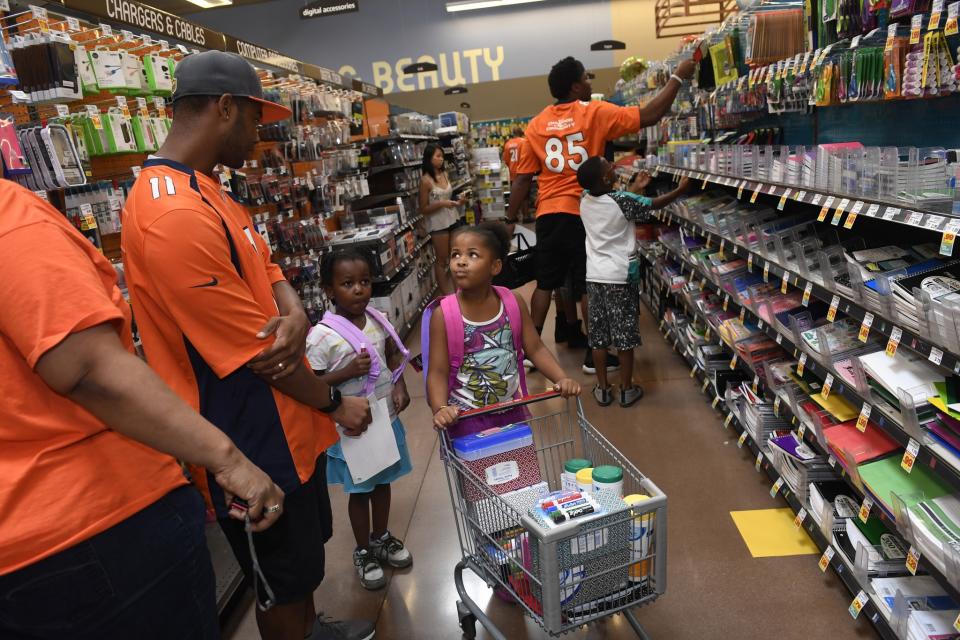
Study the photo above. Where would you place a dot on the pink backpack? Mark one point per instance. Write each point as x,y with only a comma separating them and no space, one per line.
357,339
453,322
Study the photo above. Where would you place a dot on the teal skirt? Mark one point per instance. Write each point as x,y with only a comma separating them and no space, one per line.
339,473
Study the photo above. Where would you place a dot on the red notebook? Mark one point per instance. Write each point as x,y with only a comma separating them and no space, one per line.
855,448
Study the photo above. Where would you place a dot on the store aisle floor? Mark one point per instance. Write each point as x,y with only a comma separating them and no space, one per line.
715,589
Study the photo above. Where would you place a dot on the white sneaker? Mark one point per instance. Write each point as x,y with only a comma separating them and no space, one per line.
369,569
391,550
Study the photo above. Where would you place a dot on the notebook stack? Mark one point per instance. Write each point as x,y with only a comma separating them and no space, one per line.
942,283
932,625
757,415
935,523
889,483
873,262
905,372
945,426
922,593
798,464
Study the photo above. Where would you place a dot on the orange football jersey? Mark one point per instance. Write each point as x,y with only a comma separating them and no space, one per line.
561,138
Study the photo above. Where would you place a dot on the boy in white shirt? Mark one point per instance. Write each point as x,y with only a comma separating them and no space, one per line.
609,218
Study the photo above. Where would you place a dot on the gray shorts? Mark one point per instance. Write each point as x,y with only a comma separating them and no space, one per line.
614,316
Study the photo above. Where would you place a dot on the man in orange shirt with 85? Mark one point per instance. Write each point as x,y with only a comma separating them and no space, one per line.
558,141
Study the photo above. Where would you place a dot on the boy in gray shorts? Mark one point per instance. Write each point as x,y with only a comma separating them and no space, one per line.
613,293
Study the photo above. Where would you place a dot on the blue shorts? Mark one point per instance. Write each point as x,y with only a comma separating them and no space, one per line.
339,473
148,577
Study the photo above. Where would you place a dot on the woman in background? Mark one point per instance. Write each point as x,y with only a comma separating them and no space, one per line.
442,213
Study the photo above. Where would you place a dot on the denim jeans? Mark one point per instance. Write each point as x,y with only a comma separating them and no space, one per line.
148,577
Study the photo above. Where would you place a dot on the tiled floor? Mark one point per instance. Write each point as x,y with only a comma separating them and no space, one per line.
715,589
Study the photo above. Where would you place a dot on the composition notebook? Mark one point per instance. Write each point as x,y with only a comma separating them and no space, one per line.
942,283
912,270
884,478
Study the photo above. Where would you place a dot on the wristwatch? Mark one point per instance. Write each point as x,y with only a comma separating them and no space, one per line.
335,401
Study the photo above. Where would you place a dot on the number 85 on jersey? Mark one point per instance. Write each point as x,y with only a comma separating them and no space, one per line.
575,155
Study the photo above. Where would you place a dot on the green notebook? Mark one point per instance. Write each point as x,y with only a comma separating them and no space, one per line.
885,477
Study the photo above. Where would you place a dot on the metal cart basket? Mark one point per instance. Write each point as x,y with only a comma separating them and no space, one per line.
578,572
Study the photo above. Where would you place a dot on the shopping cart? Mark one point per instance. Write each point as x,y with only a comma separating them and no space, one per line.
578,572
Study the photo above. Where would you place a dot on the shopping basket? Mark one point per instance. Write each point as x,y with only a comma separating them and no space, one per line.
576,573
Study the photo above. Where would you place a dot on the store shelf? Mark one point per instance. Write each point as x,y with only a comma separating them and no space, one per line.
405,330
372,171
403,264
366,201
398,137
843,571
932,456
463,183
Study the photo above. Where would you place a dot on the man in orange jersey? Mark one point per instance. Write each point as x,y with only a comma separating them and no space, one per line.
511,158
208,301
558,141
102,536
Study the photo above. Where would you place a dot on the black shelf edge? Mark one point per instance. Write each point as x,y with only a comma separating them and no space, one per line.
399,136
372,171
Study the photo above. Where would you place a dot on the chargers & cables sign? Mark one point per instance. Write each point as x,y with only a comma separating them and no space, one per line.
324,8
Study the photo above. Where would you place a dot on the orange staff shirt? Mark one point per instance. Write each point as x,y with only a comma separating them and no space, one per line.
201,283
561,138
64,475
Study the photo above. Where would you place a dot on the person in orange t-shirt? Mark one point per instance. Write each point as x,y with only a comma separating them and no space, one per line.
102,536
208,301
512,150
559,140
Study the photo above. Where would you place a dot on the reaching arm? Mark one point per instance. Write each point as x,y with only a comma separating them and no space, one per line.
541,357
661,201
92,368
660,104
519,191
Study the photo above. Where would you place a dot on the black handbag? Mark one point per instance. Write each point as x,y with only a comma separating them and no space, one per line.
520,267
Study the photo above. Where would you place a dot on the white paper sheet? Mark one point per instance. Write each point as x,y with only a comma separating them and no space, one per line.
375,450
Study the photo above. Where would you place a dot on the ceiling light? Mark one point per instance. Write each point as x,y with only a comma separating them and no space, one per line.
470,5
419,67
210,4
607,45
452,91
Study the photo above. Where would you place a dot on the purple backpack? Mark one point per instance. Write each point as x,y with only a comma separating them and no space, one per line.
357,339
453,322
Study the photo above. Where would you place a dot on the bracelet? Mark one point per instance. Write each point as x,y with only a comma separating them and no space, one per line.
677,78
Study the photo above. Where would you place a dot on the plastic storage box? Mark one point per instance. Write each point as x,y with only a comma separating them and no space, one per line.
503,457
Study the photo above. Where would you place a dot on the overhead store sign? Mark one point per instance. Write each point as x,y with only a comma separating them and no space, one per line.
148,18
324,8
257,53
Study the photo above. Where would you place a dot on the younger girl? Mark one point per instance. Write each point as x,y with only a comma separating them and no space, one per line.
490,369
346,279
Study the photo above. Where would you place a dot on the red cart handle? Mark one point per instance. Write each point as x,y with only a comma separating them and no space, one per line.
510,404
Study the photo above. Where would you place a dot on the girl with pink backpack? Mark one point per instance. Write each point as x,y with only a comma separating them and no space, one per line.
357,351
475,340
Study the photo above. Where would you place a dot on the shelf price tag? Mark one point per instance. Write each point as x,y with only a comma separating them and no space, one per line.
801,516
779,338
865,508
865,327
743,313
913,560
142,107
703,185
775,489
806,294
741,440
750,259
726,421
733,362
784,282
766,271
135,169
756,192
62,110
825,559
890,213
914,218
872,211
852,216
723,244
726,301
706,382
916,24
827,385
772,190
756,383
910,455
895,334
776,406
936,356
935,14
950,29
891,35
716,401
832,311
783,199
693,371
800,196
825,209
864,417
759,461
838,214
740,189
703,283
124,108
858,604
801,430
946,243
816,199
801,364
94,114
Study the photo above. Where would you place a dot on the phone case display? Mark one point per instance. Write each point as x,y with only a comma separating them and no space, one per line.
8,73
46,67
11,152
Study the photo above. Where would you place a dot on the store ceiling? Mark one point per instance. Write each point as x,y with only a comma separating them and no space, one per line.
183,8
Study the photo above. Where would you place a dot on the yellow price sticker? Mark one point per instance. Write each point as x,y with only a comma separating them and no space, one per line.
913,561
865,327
825,209
741,440
766,272
832,311
865,508
706,383
805,300
783,199
825,559
946,243
801,516
750,263
775,489
827,386
895,334
726,421
864,417
858,604
740,189
759,461
716,401
801,364
733,361
910,455
784,282
838,213
756,192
